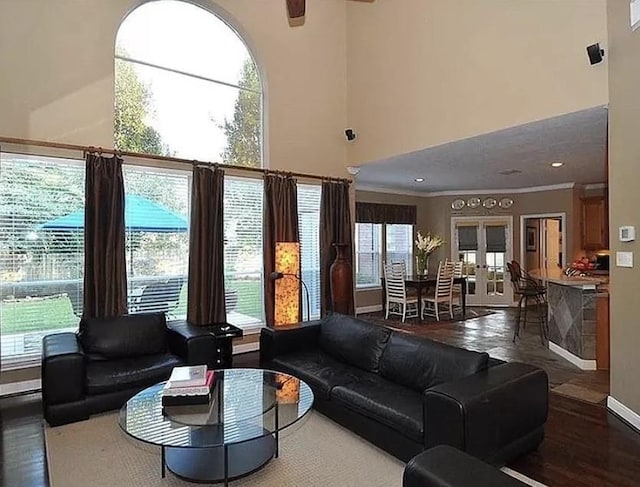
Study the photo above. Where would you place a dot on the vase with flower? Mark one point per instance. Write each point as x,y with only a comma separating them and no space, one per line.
425,246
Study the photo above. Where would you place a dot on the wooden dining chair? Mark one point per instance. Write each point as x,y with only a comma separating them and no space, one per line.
443,292
397,300
456,294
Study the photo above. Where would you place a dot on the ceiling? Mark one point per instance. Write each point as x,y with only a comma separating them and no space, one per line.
515,158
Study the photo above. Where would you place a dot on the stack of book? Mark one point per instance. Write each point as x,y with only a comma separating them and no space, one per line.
188,386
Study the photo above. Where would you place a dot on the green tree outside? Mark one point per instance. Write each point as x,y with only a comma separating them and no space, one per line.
244,130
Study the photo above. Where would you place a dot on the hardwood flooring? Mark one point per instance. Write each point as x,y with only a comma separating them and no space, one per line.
585,445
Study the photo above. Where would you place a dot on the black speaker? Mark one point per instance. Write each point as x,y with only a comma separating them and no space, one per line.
595,53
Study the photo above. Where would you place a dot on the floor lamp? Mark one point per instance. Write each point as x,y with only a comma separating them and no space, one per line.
287,290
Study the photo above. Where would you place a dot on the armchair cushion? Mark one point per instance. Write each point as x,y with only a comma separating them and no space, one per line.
420,363
124,336
390,404
115,375
353,341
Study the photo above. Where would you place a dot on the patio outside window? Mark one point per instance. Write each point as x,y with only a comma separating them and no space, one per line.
41,264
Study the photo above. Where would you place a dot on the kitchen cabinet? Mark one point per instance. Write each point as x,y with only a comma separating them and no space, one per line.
595,223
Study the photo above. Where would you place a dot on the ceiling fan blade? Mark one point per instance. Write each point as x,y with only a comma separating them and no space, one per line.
296,8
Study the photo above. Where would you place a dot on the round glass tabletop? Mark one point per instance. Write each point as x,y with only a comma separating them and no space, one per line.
246,404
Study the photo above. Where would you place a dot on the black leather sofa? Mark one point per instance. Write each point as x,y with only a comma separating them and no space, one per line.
109,360
406,394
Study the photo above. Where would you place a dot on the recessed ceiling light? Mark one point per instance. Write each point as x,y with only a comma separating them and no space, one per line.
419,180
557,164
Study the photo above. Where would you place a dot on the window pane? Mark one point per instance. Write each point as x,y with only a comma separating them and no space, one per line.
243,271
399,243
309,225
205,105
368,237
41,251
157,246
184,37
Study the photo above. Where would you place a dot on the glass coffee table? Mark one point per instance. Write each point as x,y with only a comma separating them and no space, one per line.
233,436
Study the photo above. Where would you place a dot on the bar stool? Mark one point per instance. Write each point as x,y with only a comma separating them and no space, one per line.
525,290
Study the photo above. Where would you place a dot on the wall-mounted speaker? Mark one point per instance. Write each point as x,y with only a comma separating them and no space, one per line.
595,53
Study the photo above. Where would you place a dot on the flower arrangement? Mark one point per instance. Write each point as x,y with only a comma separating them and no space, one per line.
425,246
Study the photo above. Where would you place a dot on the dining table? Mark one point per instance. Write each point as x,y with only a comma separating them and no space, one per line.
422,284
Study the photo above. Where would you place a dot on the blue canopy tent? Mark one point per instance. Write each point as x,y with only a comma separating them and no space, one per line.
140,215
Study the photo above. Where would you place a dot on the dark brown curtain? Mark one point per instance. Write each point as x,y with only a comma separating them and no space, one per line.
383,213
335,227
206,293
105,272
280,225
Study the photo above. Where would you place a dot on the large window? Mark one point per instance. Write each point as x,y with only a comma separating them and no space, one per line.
157,246
368,254
377,243
309,225
187,86
41,251
243,264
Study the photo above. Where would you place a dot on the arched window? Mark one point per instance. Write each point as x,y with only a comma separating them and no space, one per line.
186,85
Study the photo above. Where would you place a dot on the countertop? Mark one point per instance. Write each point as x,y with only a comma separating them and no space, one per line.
556,276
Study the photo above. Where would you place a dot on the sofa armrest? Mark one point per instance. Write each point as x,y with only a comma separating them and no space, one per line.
444,465
63,369
279,341
195,345
485,412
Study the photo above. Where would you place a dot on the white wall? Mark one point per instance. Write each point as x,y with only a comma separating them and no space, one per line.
426,72
56,68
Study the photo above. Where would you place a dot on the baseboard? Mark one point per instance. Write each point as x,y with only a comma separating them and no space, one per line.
574,359
369,309
627,414
246,347
12,388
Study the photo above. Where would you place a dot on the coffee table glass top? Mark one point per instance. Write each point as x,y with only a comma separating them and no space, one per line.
246,404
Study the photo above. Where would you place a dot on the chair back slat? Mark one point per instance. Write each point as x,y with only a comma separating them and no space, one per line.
394,276
444,281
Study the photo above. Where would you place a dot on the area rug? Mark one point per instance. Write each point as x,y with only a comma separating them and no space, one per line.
412,325
316,452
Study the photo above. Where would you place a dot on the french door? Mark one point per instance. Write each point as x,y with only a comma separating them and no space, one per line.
484,245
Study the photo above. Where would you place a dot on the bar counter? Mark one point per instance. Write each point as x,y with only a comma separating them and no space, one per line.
572,314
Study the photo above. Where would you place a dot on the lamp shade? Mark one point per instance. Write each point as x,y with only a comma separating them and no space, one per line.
287,289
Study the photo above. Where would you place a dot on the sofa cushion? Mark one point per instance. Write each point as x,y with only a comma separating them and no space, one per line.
124,336
316,368
114,375
420,363
391,404
353,341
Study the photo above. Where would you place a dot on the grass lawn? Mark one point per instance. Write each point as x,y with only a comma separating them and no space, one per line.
28,315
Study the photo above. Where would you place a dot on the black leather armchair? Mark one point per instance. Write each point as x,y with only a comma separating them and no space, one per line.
445,466
111,359
406,394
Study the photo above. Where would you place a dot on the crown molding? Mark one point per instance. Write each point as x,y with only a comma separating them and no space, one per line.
465,192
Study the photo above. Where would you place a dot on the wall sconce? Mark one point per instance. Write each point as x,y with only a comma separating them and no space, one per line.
287,285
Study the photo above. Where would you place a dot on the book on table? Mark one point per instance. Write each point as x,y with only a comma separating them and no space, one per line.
188,376
177,396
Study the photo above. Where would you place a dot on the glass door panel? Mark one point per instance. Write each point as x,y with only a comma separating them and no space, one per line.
484,247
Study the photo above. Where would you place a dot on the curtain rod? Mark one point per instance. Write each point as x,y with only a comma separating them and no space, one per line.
88,148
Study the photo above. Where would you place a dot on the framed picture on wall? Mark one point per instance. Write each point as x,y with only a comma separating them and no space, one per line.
531,239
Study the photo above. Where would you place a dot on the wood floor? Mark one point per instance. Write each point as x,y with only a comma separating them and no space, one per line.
585,445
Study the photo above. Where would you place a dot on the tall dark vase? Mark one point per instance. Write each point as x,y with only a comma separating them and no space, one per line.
341,281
